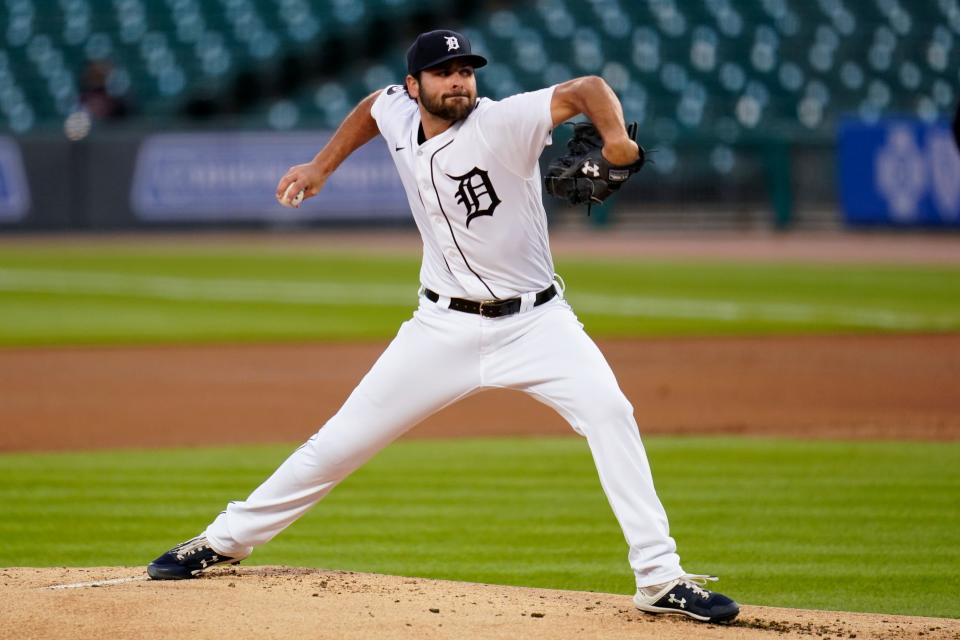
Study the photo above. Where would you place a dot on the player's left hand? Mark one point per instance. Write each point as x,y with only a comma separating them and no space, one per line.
624,151
299,183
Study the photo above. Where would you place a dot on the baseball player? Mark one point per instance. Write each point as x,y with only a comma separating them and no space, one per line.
491,312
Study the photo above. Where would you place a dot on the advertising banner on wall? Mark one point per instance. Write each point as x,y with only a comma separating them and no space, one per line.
232,177
14,193
899,172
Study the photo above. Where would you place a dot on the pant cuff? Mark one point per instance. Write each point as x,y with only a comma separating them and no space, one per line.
659,577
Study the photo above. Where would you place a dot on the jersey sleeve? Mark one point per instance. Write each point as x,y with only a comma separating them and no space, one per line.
516,129
392,101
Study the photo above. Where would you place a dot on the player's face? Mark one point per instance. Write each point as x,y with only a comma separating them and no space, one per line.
448,92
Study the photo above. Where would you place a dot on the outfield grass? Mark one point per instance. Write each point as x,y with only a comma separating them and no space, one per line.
832,525
121,295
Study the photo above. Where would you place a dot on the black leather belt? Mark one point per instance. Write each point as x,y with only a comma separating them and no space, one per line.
492,308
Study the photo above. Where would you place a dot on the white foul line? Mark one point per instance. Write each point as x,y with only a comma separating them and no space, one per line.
98,583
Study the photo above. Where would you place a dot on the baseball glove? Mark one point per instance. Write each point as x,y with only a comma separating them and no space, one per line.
583,175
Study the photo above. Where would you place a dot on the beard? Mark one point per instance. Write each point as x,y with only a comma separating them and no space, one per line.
446,106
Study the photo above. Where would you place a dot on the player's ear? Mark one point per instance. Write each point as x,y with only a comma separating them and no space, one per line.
413,87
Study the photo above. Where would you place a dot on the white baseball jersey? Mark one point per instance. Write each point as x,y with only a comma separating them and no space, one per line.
475,194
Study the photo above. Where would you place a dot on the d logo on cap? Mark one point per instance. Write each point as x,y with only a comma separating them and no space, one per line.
435,48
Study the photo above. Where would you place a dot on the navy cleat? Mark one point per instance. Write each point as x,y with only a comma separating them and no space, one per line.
687,596
186,560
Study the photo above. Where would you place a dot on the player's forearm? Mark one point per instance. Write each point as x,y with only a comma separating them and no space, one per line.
599,103
593,97
357,129
306,180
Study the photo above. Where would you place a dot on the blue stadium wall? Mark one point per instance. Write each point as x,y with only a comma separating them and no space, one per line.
895,173
123,180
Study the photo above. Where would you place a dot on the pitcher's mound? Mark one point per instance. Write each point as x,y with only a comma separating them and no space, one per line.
288,603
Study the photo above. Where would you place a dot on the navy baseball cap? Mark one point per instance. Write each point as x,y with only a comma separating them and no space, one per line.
433,48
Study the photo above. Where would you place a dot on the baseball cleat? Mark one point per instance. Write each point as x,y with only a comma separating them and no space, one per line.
186,560
686,596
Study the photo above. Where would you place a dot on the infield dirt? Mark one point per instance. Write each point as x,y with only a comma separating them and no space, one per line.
895,387
276,602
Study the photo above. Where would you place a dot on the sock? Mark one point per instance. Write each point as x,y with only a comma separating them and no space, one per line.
654,589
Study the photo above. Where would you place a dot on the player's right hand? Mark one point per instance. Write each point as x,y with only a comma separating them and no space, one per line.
305,177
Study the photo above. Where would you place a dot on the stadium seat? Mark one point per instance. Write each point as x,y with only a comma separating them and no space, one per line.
713,70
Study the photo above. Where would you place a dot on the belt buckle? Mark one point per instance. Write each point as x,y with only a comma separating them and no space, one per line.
486,302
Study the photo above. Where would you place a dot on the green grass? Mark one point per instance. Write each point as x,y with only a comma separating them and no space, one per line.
91,295
831,525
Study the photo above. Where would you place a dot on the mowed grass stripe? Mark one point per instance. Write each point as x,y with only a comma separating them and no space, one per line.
627,306
831,525
205,289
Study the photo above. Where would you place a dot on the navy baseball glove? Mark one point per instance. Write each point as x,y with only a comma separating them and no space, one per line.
583,175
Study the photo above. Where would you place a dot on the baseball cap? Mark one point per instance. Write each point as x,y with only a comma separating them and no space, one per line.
433,48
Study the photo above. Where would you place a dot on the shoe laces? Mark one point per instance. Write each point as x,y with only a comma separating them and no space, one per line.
696,583
190,547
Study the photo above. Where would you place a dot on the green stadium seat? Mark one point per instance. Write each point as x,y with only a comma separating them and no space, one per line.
766,67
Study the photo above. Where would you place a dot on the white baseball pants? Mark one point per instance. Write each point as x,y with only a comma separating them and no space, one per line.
438,357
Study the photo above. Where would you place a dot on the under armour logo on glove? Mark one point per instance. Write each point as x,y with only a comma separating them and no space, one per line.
591,169
452,43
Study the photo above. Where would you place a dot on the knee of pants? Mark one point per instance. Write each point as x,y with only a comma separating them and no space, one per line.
607,410
335,457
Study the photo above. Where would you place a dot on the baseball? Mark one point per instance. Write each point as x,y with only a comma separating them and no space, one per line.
294,202
297,199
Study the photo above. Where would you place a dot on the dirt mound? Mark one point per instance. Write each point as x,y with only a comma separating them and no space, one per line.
280,602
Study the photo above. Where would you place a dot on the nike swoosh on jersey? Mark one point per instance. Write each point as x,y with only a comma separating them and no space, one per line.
399,148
